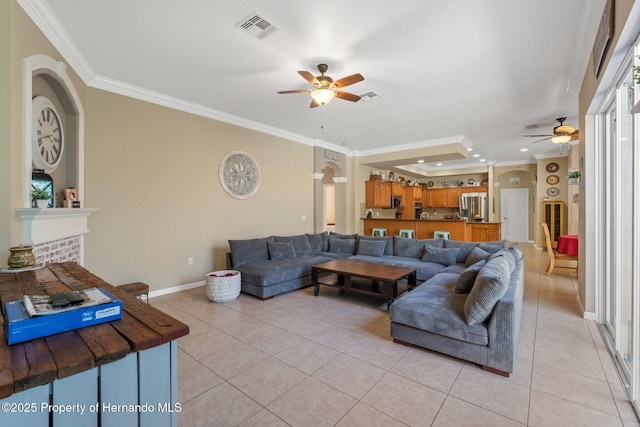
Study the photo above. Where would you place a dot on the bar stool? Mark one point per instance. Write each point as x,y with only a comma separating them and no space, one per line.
409,234
442,235
379,232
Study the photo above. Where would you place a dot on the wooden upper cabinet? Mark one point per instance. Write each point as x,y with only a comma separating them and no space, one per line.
439,198
397,189
412,194
453,197
377,194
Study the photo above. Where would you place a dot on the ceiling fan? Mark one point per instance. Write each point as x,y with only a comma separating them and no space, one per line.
561,133
326,88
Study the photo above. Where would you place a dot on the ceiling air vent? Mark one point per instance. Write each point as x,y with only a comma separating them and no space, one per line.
256,26
368,96
530,127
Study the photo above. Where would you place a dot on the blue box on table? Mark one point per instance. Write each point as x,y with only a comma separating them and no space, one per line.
23,327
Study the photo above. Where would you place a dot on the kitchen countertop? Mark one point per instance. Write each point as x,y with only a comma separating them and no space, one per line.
433,220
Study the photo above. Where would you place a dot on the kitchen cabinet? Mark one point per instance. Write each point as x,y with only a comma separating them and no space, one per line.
483,232
377,194
441,198
397,189
453,197
412,194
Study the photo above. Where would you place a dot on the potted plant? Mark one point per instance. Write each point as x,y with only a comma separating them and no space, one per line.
573,176
41,196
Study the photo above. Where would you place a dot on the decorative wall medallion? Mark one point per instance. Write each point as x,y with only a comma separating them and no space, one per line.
239,175
552,167
553,191
553,179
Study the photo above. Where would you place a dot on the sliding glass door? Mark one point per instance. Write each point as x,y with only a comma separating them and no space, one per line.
620,245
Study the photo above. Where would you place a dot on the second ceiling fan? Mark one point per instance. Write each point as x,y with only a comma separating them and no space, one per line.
326,88
561,133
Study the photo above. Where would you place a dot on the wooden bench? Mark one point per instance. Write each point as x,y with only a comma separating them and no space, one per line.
137,289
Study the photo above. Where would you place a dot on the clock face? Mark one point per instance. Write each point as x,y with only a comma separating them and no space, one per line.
47,141
239,175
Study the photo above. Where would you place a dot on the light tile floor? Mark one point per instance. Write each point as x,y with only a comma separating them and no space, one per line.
301,360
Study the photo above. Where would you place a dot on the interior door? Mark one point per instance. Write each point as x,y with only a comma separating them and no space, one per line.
514,208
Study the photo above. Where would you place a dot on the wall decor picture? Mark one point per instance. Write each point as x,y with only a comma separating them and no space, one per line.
239,175
552,167
553,191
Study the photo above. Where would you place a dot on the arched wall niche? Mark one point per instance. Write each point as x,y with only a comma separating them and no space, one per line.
43,75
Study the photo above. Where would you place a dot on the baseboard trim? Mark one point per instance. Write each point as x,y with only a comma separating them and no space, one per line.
175,289
587,315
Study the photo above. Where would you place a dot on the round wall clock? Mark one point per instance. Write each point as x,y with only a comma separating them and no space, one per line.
239,175
553,191
47,138
553,179
552,167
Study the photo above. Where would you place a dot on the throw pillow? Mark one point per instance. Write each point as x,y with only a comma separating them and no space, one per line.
468,277
281,250
300,243
491,284
465,248
371,247
388,250
342,246
317,241
440,256
476,255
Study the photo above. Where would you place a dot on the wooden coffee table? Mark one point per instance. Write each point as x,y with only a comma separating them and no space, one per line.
347,269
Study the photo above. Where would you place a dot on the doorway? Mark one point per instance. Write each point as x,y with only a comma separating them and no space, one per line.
514,209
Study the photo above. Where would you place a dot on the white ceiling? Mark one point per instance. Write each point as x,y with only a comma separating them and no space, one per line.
474,72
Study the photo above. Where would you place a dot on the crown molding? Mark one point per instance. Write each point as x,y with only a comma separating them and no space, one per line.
459,139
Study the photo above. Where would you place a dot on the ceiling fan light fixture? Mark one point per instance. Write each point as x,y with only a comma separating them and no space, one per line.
323,96
561,139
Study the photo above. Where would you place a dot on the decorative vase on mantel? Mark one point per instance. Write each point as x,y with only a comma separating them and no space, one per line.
42,203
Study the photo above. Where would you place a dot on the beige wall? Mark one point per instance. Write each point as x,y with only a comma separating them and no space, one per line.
153,174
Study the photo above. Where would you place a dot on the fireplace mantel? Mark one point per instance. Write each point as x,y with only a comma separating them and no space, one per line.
45,225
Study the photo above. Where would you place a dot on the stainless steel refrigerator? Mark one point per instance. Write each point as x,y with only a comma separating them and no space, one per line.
474,205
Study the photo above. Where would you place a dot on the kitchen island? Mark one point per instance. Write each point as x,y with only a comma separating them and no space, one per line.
459,229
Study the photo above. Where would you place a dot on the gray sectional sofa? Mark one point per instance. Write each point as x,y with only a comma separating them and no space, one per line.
467,304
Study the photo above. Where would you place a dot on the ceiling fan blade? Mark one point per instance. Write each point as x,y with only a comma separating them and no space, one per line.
575,135
540,140
349,80
313,104
347,96
309,77
294,91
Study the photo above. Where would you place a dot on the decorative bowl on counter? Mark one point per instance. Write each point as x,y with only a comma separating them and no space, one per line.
478,219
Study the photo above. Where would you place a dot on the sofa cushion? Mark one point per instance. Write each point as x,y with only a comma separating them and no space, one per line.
272,272
300,243
465,248
424,270
388,250
468,277
411,247
476,255
281,250
317,241
338,245
490,285
249,250
371,247
433,307
444,256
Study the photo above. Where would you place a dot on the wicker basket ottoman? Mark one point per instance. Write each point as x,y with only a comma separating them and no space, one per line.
223,285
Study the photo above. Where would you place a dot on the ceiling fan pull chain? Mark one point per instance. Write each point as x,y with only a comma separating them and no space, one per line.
322,118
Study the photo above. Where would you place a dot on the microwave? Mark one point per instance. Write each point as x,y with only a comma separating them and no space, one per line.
396,202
